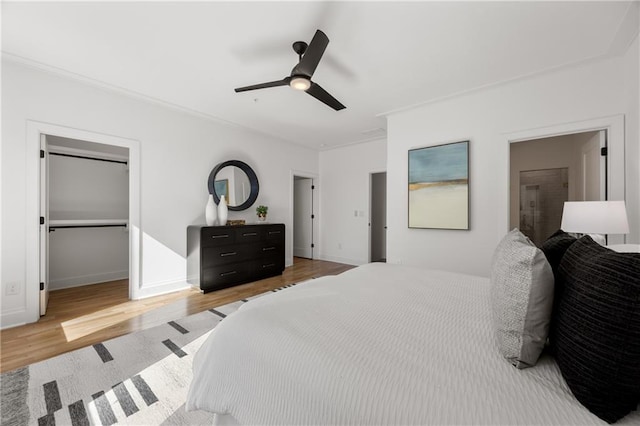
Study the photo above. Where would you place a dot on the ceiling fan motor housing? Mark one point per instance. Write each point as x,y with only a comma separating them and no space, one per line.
300,47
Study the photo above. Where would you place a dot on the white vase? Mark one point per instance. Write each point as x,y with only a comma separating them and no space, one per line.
223,211
210,212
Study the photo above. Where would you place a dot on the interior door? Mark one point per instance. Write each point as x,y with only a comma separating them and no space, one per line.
378,225
44,225
303,217
594,168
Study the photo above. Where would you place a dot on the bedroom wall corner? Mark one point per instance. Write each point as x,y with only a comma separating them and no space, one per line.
344,200
485,117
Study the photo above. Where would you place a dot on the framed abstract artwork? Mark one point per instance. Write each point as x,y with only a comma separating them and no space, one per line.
439,186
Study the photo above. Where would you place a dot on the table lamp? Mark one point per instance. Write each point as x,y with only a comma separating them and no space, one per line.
595,218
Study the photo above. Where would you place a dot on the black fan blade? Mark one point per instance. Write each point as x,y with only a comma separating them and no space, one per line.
283,82
311,58
323,96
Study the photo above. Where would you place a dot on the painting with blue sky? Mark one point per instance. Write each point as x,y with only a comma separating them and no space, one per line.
439,186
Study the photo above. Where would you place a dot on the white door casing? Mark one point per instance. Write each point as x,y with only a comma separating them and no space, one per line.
613,163
31,311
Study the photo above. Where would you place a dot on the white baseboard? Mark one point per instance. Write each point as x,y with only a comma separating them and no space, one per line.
78,281
344,260
159,289
12,319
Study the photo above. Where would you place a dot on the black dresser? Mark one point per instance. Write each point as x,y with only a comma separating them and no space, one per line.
224,256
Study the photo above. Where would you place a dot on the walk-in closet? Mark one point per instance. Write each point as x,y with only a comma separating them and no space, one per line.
87,198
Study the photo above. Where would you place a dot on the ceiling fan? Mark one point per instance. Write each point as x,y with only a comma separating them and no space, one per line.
300,78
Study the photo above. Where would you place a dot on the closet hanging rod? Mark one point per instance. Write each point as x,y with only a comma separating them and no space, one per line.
88,158
110,225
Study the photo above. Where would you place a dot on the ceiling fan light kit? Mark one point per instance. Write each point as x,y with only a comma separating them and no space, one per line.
300,83
300,77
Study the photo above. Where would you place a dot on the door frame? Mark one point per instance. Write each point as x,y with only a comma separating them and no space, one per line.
315,209
613,125
33,190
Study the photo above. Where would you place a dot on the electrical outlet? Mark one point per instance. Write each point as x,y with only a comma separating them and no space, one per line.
339,246
12,288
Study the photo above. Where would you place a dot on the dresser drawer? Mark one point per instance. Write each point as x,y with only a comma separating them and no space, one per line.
217,236
248,235
274,233
269,266
223,254
267,248
219,276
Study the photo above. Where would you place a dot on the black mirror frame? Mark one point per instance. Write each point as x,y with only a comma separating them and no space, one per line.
253,181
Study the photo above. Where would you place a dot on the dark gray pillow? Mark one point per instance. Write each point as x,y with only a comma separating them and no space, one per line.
554,248
596,329
521,298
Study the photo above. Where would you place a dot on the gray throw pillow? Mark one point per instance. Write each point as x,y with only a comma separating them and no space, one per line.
521,298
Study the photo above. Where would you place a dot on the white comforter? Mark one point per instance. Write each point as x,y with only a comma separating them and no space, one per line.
380,344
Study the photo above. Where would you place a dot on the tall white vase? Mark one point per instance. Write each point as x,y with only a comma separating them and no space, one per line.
210,212
223,211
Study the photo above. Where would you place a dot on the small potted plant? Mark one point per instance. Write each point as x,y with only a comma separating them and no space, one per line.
261,211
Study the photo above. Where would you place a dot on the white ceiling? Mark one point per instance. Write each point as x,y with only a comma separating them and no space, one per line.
382,56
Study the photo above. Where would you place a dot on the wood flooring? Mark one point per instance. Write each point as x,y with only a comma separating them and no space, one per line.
82,316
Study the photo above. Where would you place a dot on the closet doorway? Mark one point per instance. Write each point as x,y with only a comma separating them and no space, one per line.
303,216
34,270
378,215
84,212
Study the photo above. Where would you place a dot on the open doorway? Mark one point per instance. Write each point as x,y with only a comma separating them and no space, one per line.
303,216
546,172
378,215
33,185
84,237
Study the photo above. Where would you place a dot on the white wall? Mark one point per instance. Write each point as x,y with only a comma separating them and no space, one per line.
485,117
177,150
344,191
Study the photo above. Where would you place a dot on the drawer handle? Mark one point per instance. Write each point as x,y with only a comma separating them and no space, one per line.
249,234
273,232
232,253
220,236
268,248
224,274
269,265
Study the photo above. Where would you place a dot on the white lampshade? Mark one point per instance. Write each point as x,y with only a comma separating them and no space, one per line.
595,217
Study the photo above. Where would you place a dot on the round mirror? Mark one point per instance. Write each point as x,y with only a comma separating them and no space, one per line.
238,183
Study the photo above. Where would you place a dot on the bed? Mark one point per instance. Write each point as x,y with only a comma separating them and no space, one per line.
379,344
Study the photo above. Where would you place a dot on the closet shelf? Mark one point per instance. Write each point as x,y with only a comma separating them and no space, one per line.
89,223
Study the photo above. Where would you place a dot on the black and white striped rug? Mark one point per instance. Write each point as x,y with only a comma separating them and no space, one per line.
137,379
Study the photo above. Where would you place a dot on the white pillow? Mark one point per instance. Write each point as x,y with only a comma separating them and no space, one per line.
521,298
